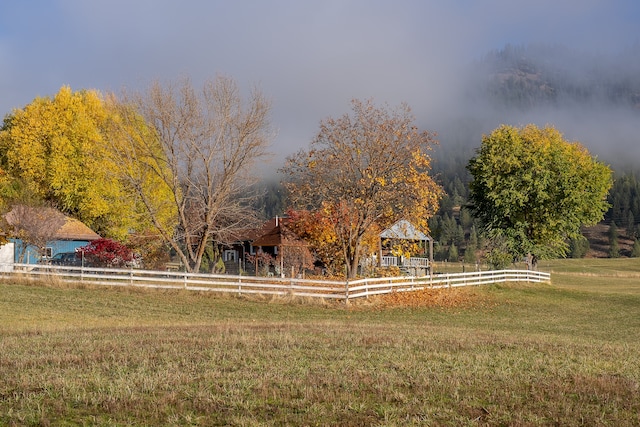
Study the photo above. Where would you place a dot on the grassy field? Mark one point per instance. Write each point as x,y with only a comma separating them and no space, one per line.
561,354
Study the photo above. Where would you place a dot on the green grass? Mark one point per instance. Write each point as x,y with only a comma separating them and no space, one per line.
599,275
596,266
559,354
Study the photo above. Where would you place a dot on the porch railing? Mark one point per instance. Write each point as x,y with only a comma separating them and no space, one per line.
414,262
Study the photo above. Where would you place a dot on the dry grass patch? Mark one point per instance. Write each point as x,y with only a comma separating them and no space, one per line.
324,373
512,354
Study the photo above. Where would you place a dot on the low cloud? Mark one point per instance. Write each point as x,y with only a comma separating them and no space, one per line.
310,57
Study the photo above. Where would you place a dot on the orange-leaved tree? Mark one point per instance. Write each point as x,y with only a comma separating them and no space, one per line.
364,170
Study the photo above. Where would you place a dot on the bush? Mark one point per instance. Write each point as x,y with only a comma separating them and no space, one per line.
107,253
499,259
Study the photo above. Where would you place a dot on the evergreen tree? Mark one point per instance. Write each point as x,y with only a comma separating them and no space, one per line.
435,227
453,253
458,237
578,247
630,224
470,254
473,238
614,247
466,220
440,252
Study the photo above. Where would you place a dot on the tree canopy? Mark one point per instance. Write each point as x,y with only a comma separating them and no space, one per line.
533,190
364,169
58,150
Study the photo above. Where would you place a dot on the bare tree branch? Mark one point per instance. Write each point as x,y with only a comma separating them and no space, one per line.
204,148
34,225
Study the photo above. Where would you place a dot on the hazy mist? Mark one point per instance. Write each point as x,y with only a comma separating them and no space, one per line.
313,57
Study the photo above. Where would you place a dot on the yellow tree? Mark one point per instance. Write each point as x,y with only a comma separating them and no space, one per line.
55,145
364,170
140,165
60,149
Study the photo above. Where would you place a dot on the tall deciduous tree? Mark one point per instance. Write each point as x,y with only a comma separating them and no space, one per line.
57,149
367,168
533,189
204,149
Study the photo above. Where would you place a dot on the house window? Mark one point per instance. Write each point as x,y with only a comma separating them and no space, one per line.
48,252
275,250
229,255
252,250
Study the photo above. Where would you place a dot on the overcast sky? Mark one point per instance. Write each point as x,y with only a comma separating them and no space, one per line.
310,57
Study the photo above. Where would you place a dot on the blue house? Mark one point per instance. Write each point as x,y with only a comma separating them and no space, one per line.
62,233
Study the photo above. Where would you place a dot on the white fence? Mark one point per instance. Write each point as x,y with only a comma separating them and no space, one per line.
341,290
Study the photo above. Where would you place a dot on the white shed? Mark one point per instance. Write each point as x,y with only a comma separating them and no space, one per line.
6,257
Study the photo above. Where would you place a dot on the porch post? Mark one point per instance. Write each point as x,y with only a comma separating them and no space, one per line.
430,251
281,253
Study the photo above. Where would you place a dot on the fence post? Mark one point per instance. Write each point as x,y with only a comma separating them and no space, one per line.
346,291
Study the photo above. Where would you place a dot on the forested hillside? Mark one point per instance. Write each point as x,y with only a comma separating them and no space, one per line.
593,97
538,76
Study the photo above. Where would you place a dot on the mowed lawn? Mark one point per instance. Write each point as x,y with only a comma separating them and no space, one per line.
512,354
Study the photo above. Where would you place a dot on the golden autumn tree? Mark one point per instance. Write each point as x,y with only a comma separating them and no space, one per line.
57,148
365,170
140,165
316,228
60,150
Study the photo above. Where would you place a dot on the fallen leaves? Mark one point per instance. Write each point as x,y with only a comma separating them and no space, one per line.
443,298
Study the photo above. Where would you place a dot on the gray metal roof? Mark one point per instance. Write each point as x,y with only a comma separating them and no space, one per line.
404,230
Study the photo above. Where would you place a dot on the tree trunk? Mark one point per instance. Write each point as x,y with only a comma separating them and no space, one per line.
353,269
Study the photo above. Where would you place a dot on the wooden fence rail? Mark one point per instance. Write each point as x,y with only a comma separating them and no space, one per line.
330,289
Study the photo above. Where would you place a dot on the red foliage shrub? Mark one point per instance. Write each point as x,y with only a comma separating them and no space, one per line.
107,253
